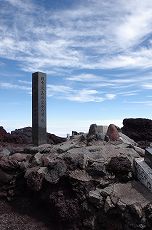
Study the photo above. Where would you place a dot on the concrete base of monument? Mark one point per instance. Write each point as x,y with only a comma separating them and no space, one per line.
143,172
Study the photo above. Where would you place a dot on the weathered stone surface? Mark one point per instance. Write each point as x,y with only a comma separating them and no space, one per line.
5,152
3,133
120,166
18,157
143,172
92,130
148,157
138,129
78,190
75,158
112,133
37,159
9,165
55,170
125,139
5,177
139,150
46,148
96,198
96,168
34,178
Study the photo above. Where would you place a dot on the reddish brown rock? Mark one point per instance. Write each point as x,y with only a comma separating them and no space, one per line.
112,133
18,157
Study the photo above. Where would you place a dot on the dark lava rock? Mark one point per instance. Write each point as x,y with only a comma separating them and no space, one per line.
3,133
24,136
53,139
138,129
120,166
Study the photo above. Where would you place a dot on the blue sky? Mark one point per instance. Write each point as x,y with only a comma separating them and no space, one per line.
97,55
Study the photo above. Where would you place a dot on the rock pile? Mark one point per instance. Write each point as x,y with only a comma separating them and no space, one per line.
84,184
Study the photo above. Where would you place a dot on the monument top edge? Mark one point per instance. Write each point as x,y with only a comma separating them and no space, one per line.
38,73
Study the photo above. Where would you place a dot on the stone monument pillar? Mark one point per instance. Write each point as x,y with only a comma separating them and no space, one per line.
39,134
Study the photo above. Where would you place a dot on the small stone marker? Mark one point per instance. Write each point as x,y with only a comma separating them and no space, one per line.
39,135
143,169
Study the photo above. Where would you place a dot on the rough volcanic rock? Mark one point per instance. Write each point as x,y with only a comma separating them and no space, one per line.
80,185
24,136
138,129
112,133
121,167
3,133
52,138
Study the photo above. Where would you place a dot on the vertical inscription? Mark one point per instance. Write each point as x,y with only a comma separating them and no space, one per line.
39,108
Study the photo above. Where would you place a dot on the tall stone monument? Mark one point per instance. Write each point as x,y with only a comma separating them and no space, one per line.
39,135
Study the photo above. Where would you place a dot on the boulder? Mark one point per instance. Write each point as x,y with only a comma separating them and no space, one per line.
5,152
55,170
96,169
34,177
18,157
120,166
112,133
138,129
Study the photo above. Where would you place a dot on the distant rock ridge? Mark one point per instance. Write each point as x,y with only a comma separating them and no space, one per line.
24,136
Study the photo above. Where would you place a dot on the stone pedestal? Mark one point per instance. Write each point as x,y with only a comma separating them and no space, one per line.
39,135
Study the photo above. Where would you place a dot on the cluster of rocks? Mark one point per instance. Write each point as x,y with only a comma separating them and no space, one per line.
24,136
87,182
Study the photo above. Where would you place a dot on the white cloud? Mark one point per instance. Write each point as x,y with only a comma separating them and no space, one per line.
89,35
5,85
147,86
147,103
85,78
95,34
110,96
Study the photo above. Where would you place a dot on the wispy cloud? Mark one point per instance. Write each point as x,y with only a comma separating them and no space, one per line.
6,85
74,41
147,86
87,35
78,95
147,103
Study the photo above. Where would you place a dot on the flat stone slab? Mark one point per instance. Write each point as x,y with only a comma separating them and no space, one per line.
143,172
126,194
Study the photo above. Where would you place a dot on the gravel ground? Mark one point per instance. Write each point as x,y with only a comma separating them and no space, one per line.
22,214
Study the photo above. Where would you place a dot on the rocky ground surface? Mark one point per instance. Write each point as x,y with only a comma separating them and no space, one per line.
83,183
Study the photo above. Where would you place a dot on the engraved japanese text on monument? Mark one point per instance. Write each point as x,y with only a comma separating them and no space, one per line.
39,108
